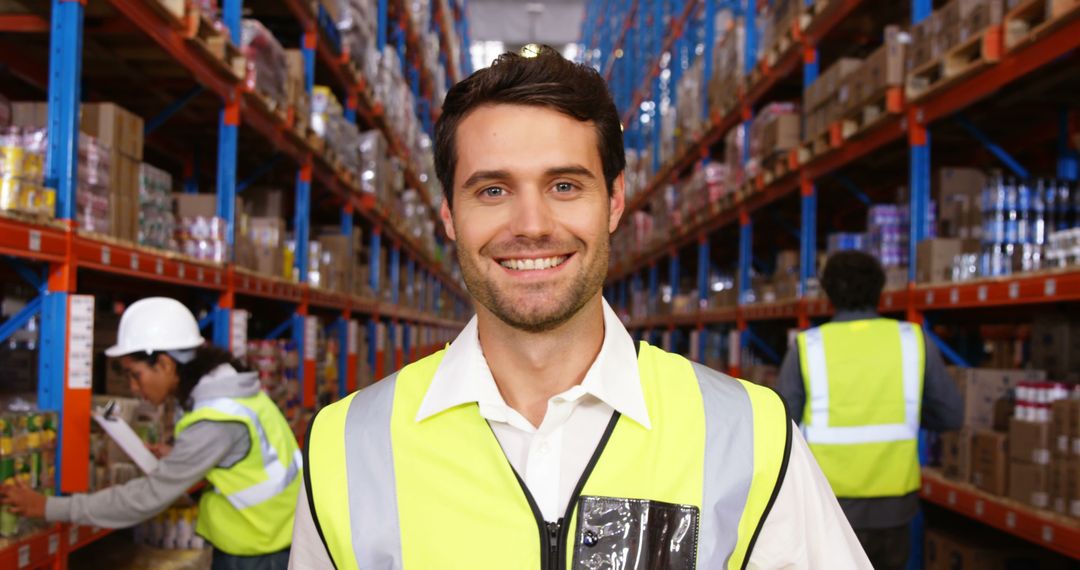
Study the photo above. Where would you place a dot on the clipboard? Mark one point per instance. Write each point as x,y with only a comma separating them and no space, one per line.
125,437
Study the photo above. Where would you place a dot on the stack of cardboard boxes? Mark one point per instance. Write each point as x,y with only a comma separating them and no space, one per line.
728,76
120,133
822,101
1027,449
950,26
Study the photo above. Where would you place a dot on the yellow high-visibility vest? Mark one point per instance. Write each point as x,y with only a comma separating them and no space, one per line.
864,385
387,491
250,509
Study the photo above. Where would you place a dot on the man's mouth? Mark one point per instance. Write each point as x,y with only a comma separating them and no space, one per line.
534,263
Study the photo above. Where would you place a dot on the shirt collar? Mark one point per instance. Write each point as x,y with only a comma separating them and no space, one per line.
463,376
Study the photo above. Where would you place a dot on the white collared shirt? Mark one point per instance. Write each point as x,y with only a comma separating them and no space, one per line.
805,529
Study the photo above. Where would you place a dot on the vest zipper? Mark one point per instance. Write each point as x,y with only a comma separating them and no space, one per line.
553,533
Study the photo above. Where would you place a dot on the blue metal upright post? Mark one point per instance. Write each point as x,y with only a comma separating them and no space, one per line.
1068,165
228,134
673,274
654,285
746,236
373,282
807,236
343,320
395,291
380,35
704,265
750,56
61,173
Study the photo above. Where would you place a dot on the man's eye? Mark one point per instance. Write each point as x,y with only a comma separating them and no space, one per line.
564,187
492,192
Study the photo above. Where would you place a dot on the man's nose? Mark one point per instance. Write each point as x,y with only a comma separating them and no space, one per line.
532,216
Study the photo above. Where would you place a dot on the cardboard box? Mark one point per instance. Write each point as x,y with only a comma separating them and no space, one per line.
264,202
1029,441
964,548
1072,487
113,125
934,258
885,67
1065,428
990,461
1059,489
195,205
1029,483
959,193
980,388
337,264
956,455
1055,345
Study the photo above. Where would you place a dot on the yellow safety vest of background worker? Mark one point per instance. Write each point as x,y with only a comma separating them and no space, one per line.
544,437
231,434
862,385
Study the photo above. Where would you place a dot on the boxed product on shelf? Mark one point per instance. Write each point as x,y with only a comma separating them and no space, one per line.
959,195
199,232
121,132
841,241
956,455
296,94
276,362
962,548
821,103
1065,428
1055,345
266,63
980,388
267,238
728,63
884,67
22,164
935,258
157,223
690,109
774,132
734,142
990,461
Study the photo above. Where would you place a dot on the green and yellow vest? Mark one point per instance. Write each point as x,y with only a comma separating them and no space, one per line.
864,384
250,509
387,491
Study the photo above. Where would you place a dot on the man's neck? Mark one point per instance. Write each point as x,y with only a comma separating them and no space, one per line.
531,368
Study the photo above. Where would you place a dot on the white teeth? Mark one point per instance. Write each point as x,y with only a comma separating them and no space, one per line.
533,264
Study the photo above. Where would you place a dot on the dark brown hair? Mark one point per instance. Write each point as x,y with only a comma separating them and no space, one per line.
207,358
853,280
546,80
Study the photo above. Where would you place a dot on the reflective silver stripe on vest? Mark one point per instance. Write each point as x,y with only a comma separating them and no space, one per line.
369,465
821,432
729,464
278,476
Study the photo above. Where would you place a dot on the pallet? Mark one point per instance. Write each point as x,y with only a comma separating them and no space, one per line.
207,36
174,10
873,111
778,166
815,146
811,13
976,53
1032,19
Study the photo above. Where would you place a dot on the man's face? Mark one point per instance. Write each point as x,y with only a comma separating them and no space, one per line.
532,217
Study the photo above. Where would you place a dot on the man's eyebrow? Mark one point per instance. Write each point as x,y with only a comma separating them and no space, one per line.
482,175
572,170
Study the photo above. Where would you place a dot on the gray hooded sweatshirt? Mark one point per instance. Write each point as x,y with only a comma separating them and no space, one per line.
198,449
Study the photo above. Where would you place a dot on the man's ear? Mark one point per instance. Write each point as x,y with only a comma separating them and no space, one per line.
618,202
447,220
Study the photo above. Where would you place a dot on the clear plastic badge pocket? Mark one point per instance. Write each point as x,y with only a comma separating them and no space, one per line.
635,534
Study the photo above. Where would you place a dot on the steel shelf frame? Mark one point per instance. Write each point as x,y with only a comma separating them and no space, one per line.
1040,527
911,125
62,250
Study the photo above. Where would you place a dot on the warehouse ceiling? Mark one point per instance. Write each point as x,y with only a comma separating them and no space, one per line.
519,22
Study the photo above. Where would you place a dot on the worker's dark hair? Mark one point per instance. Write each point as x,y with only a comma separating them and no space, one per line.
853,280
545,80
207,358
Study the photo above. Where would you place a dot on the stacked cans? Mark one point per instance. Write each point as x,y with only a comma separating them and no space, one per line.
157,223
27,456
1034,399
203,238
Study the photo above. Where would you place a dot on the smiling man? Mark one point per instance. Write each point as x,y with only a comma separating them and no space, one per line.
543,437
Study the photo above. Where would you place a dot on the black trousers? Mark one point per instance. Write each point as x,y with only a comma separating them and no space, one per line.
276,561
887,548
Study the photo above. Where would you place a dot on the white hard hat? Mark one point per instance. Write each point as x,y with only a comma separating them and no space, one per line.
156,324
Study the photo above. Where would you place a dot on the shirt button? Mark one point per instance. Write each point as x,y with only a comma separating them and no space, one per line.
543,448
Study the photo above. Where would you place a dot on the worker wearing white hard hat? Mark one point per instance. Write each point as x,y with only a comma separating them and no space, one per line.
230,434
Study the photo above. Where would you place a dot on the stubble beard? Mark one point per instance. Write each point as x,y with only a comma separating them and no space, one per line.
582,288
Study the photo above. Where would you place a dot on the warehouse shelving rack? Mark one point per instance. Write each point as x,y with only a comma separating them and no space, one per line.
50,255
631,45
